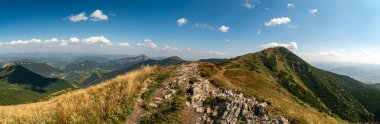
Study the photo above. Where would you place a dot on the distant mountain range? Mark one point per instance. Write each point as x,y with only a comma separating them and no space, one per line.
105,76
367,73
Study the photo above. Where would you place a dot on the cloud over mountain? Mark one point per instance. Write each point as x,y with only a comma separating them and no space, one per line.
291,45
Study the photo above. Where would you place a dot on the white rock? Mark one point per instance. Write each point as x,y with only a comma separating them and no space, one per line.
168,96
208,110
152,105
199,109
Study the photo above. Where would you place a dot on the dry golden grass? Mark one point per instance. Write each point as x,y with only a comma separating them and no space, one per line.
108,102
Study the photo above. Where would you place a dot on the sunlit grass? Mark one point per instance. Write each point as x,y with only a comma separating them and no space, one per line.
108,102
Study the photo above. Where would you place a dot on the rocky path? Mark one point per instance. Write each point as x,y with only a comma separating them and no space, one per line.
138,110
207,103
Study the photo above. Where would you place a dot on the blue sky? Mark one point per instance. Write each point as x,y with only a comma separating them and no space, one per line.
317,30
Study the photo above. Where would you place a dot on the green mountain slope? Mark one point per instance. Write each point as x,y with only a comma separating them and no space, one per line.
43,69
327,92
20,85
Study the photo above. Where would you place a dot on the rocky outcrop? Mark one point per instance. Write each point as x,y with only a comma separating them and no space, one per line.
213,104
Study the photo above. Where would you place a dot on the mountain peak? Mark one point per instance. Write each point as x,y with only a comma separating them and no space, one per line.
280,50
143,55
174,58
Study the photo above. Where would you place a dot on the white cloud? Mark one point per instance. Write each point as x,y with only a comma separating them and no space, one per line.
313,11
277,21
24,42
250,4
51,41
224,28
202,26
182,21
258,32
97,39
217,53
291,45
98,15
63,44
147,43
227,40
125,44
55,41
74,40
170,49
79,17
291,5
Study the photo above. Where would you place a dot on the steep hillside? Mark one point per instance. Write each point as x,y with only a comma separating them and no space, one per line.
43,69
329,93
29,86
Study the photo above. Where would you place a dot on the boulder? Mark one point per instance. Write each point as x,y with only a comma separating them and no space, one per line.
260,109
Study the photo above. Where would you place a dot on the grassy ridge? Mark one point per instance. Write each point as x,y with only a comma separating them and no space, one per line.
327,92
259,85
109,102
